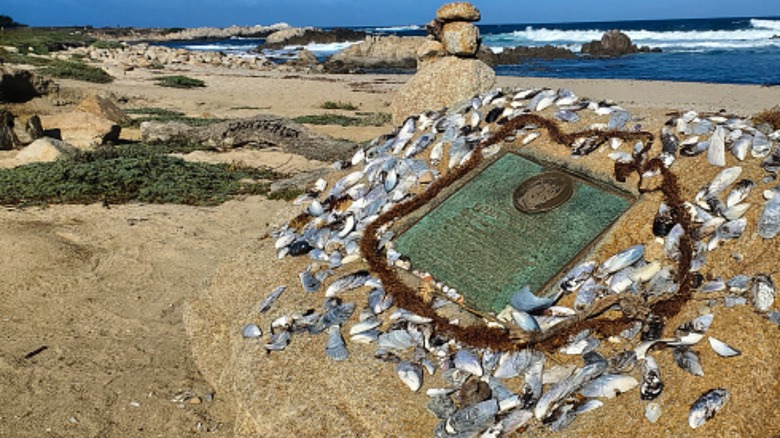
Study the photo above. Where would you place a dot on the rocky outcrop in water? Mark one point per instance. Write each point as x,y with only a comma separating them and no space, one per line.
309,36
261,132
448,70
614,43
515,55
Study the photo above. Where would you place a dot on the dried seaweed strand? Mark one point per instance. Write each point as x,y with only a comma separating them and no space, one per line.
503,339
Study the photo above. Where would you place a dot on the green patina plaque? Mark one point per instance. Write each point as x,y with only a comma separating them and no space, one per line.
480,243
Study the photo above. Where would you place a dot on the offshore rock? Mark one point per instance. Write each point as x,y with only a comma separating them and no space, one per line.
318,36
458,11
379,52
442,84
614,43
281,36
260,132
460,38
514,55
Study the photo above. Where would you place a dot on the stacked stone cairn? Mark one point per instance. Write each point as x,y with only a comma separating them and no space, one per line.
448,70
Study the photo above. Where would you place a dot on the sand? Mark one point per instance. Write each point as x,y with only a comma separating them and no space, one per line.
123,296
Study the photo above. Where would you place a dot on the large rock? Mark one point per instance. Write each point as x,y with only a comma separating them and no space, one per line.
429,52
28,131
614,43
318,36
22,85
8,139
460,38
515,55
442,84
102,107
82,129
380,52
458,11
263,131
281,36
43,150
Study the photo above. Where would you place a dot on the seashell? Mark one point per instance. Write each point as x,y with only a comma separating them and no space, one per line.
309,282
473,418
285,240
367,324
530,138
622,362
525,321
365,337
709,404
271,299
516,419
577,276
742,146
379,301
512,364
348,282
716,154
441,406
337,315
764,292
465,359
618,119
723,349
396,340
761,145
566,116
609,386
653,412
652,385
692,332
410,374
335,347
299,248
359,157
769,222
279,341
525,301
251,331
688,360
315,208
631,331
619,261
563,389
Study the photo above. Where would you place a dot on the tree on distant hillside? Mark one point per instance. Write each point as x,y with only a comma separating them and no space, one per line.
8,22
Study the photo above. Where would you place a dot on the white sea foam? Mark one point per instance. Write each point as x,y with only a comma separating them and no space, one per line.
397,28
219,47
759,36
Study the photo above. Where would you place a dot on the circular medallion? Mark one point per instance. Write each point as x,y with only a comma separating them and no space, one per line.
543,192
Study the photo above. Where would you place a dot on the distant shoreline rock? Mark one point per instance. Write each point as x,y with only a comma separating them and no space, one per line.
613,44
198,33
312,35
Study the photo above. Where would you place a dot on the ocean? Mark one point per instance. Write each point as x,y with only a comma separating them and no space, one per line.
715,50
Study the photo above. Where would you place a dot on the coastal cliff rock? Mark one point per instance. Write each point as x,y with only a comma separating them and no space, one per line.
22,85
82,129
614,43
261,132
380,52
441,84
197,33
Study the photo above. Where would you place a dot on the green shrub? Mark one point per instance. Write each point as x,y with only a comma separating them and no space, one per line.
164,115
179,82
42,40
364,119
119,174
338,105
76,70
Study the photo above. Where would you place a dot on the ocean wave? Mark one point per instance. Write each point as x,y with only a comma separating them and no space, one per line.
765,24
219,47
322,49
535,36
397,28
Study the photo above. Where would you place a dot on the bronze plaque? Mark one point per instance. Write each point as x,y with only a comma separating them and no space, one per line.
543,192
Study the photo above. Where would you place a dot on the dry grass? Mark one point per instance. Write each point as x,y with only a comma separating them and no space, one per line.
770,116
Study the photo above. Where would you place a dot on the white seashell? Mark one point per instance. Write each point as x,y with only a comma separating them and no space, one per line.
251,331
359,157
466,360
531,137
723,349
410,374
653,412
716,154
335,348
609,386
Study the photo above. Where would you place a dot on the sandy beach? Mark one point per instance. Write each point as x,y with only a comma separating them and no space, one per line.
139,306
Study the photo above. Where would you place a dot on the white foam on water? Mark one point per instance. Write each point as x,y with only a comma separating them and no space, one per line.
397,28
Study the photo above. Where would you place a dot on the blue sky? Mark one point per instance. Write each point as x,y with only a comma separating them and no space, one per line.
191,13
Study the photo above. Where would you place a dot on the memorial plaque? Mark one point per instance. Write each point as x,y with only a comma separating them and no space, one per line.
514,224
